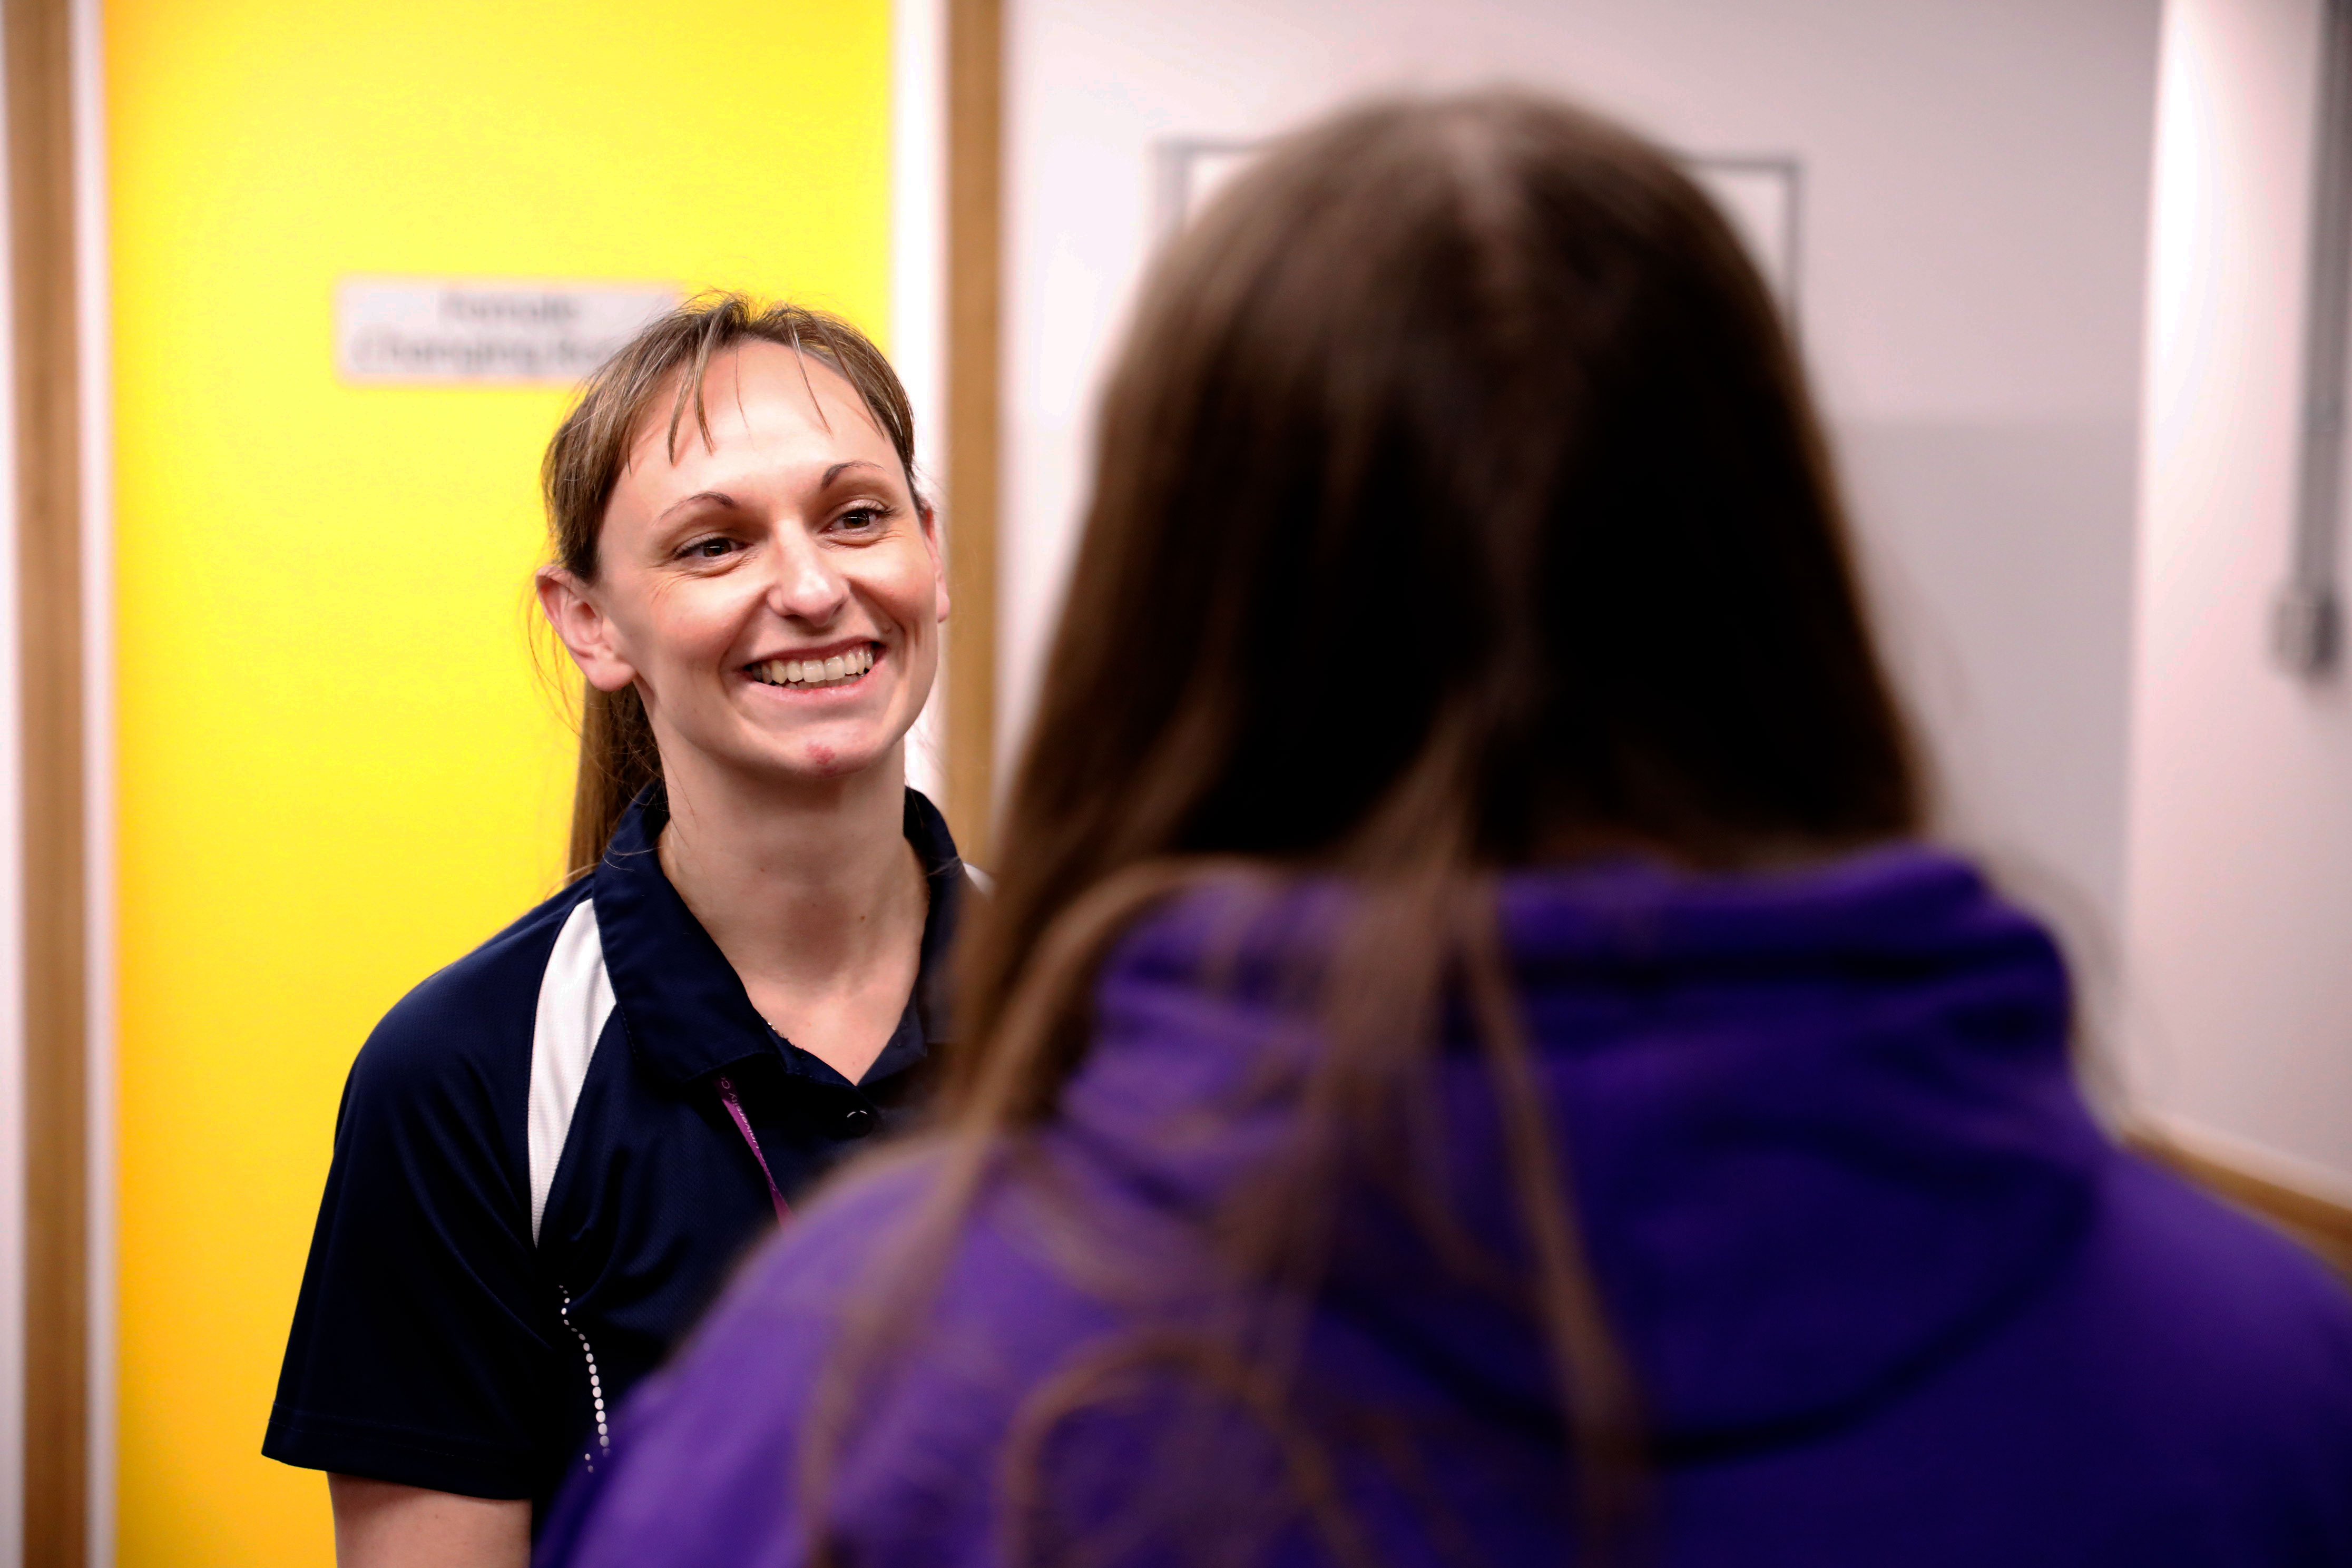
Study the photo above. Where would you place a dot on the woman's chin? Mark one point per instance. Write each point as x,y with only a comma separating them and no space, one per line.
825,756
811,750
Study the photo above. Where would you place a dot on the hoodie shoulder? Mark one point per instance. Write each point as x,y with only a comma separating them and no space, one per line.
2189,1373
2268,1324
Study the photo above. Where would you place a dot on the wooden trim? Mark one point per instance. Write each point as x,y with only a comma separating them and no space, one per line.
975,179
50,610
2320,1224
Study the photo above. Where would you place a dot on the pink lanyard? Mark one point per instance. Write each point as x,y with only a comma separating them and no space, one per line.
743,1125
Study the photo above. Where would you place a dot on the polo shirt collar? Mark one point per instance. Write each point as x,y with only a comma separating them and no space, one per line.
685,1008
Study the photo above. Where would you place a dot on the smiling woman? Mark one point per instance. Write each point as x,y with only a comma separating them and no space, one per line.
552,1151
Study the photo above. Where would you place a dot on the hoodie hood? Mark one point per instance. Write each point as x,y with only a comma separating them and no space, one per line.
1819,1126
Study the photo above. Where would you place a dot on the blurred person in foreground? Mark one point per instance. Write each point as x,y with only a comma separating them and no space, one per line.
1471,1061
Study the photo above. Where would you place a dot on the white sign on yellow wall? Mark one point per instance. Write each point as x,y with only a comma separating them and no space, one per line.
481,330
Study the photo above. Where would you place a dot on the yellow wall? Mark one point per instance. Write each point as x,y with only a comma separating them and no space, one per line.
337,771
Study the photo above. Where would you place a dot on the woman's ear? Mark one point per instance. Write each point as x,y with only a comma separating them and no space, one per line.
929,516
587,635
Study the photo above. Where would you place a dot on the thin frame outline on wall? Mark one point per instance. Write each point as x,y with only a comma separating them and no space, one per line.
1177,163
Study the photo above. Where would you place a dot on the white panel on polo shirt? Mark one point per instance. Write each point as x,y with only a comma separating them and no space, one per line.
575,998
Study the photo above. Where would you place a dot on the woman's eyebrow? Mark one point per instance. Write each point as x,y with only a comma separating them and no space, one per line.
721,496
835,471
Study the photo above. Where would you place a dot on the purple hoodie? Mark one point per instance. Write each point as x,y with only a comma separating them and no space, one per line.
1890,1294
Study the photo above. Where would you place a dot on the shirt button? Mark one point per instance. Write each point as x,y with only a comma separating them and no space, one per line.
857,1122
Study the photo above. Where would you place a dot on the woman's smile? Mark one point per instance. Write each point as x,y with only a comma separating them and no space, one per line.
771,584
837,669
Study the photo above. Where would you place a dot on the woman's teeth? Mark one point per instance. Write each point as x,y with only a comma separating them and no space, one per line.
840,668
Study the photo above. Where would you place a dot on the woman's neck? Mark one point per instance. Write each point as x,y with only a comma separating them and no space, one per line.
811,891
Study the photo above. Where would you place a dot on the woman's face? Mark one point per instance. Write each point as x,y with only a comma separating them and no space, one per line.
773,593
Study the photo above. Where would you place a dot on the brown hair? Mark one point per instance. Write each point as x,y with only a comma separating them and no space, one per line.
1458,504
589,452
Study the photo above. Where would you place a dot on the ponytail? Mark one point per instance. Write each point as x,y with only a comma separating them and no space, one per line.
617,759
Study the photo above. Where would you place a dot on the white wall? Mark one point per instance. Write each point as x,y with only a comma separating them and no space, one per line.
1974,233
2240,930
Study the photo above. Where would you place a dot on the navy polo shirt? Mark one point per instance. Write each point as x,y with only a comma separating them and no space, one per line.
536,1187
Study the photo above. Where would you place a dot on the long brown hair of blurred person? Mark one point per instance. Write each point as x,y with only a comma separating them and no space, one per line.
1458,505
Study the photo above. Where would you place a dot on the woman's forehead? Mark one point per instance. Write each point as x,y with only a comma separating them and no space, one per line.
751,388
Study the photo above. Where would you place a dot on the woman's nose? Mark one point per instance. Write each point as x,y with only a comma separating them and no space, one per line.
806,587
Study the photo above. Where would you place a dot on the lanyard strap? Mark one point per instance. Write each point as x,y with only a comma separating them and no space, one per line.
743,1125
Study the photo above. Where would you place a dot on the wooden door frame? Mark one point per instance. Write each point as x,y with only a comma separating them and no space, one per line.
975,289
45,322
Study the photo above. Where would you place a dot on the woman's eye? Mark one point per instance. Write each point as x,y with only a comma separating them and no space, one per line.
863,516
708,549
